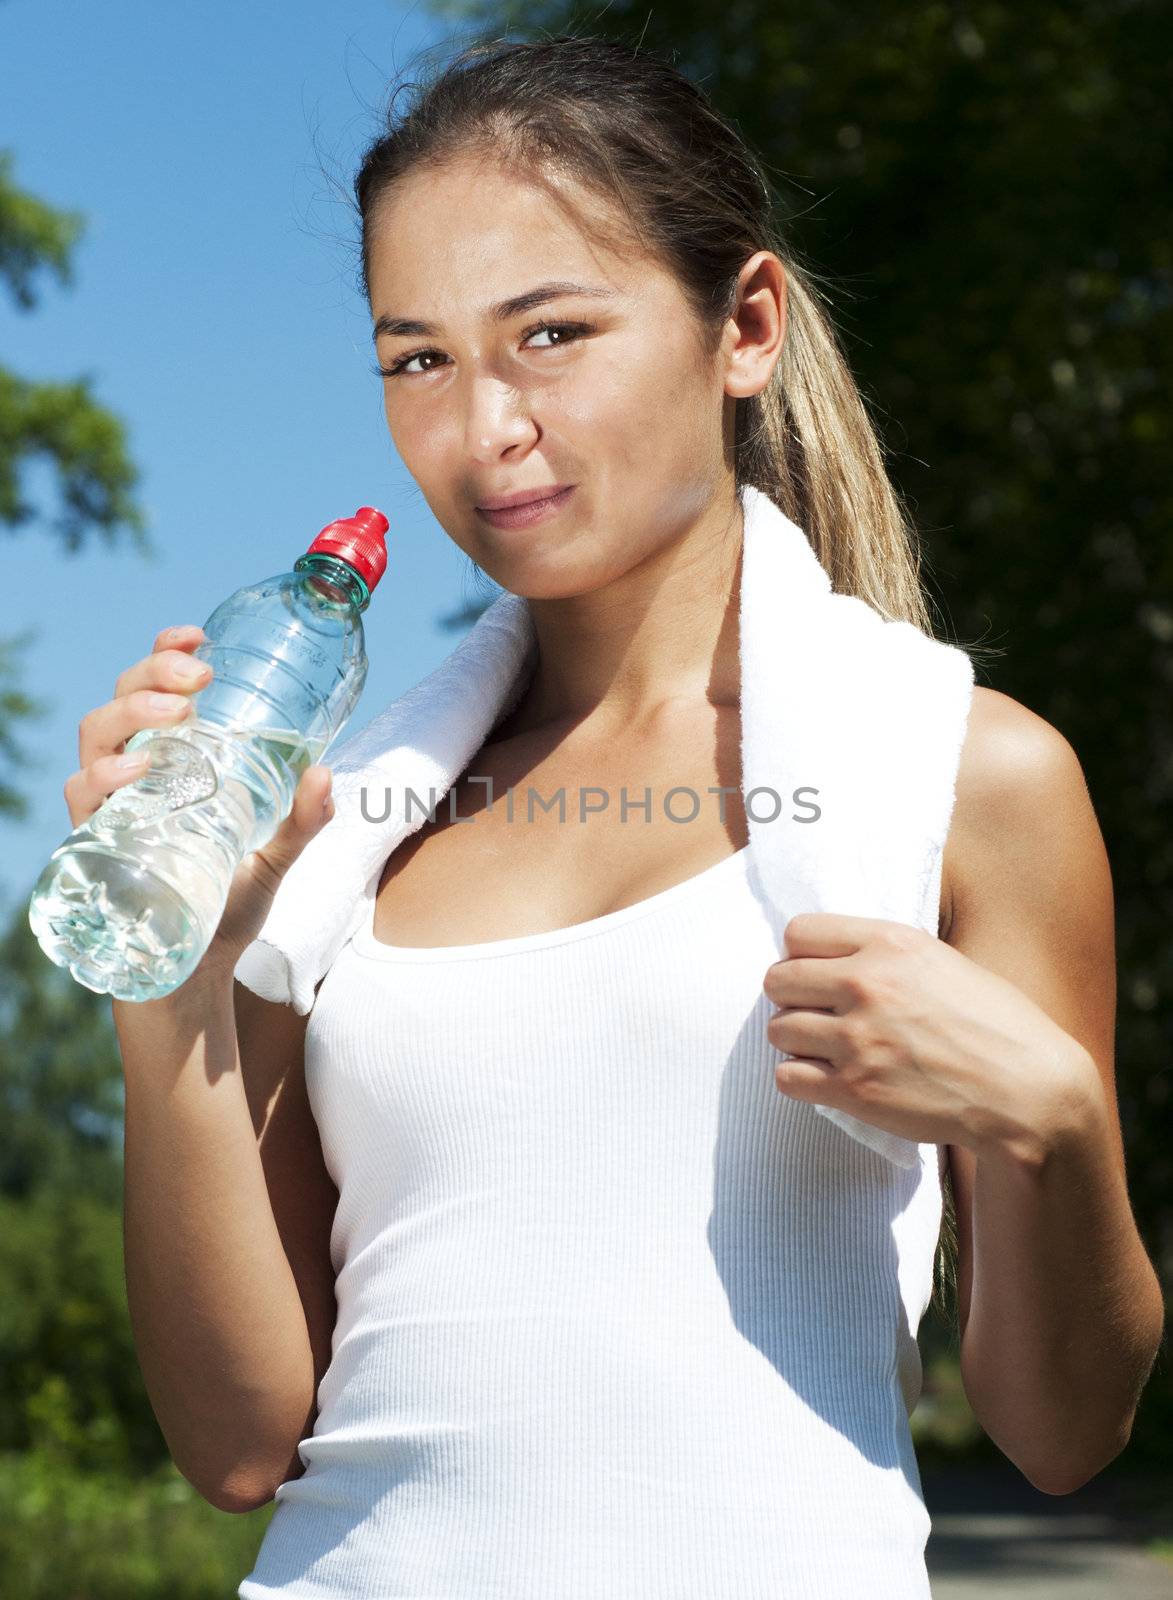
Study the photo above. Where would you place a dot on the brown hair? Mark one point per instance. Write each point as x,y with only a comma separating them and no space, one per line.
636,133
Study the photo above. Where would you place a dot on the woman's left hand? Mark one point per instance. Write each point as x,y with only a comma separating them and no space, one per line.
899,1029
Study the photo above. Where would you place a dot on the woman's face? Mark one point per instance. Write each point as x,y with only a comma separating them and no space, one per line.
482,405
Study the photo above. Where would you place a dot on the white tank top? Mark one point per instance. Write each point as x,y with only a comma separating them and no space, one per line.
616,1317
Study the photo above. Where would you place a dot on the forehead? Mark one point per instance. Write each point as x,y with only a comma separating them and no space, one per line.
471,232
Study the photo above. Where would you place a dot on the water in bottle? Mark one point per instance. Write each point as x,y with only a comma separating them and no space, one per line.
129,903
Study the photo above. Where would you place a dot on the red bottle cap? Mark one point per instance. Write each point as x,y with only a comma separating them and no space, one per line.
359,541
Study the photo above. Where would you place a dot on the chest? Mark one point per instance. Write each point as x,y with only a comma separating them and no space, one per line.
546,830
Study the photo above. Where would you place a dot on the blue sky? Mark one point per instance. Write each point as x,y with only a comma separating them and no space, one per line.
216,306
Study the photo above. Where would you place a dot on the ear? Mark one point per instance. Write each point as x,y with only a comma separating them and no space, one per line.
756,330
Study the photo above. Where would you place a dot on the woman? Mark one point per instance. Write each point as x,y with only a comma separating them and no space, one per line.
597,1314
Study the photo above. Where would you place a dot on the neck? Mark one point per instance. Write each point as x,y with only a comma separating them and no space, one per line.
666,630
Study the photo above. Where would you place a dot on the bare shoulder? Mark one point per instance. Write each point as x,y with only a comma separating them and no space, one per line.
1030,887
1021,805
1013,760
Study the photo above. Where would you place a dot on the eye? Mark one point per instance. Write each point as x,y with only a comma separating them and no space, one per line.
567,332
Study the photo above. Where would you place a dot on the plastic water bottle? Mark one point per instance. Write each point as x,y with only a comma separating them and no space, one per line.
130,902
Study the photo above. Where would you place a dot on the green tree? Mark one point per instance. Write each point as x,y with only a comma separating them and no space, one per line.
61,423
60,1078
69,1378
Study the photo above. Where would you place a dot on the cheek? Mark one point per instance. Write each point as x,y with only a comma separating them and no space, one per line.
618,406
595,398
662,392
419,433
625,375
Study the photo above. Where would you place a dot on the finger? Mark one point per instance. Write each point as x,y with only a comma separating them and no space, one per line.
803,981
165,669
313,800
86,789
313,806
104,730
184,636
803,1078
826,933
804,1033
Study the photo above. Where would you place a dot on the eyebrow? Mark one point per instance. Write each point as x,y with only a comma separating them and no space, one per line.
502,312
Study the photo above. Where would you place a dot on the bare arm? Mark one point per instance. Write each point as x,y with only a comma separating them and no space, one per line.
301,1190
223,1337
227,1205
1060,1308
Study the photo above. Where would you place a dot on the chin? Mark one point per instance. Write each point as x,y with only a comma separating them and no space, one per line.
552,575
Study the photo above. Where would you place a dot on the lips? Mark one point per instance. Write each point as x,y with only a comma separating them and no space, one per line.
524,512
523,497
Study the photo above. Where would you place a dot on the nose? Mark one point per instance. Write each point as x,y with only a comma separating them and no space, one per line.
498,420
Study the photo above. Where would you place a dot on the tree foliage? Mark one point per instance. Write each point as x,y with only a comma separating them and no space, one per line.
62,424
69,1378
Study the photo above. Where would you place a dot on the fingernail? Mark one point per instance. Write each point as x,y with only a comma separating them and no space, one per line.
168,702
133,758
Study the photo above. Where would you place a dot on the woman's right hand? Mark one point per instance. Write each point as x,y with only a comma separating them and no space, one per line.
155,693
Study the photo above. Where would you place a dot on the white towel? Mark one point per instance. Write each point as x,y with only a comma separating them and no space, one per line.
841,709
